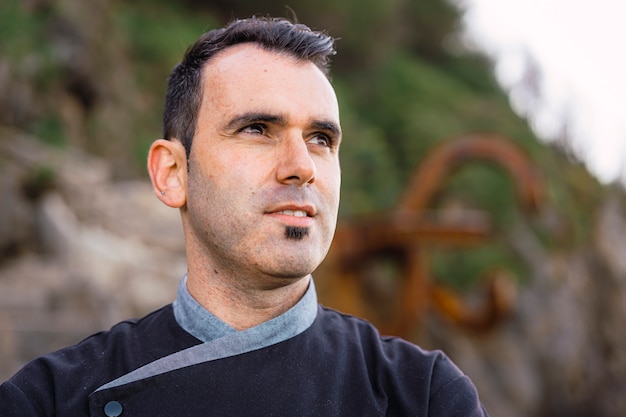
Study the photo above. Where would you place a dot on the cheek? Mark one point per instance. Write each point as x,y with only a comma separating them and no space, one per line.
331,177
230,172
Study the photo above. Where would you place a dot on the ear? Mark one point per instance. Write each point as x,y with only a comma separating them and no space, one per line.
167,166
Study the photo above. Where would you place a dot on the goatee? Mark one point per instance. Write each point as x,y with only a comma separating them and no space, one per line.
296,233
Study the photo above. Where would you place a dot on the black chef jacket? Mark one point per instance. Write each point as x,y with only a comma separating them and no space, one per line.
183,361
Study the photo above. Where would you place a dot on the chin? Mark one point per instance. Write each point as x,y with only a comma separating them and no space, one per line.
291,274
292,270
293,259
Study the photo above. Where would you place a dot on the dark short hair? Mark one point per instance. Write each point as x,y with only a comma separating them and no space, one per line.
184,89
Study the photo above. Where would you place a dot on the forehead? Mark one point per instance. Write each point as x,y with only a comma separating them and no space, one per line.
246,75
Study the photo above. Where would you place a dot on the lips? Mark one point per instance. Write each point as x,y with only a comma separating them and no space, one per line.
295,210
295,213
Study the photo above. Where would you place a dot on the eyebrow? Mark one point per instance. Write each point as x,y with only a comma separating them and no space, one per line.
280,120
327,126
255,117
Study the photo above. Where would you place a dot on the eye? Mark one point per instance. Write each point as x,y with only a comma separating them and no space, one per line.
254,129
321,139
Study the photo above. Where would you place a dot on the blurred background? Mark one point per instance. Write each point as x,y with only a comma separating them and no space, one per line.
482,204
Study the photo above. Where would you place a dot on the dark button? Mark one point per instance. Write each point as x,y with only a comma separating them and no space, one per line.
113,409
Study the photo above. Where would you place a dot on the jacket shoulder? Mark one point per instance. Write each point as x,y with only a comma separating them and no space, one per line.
411,377
67,376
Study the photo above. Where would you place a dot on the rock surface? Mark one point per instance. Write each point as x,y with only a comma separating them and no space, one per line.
81,255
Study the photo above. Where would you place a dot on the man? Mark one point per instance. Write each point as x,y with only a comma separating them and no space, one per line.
250,157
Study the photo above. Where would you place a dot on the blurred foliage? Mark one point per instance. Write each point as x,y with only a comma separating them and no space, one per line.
41,179
158,34
15,22
403,81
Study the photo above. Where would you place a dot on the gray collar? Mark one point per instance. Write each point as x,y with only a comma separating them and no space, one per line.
221,340
203,325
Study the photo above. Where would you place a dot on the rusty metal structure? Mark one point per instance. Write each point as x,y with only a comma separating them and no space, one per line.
404,237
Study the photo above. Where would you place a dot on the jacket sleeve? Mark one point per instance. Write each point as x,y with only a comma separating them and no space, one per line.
453,394
15,403
457,398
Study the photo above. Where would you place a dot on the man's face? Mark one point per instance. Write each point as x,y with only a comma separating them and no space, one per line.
264,176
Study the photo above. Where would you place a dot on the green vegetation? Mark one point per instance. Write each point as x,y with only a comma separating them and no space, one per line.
21,31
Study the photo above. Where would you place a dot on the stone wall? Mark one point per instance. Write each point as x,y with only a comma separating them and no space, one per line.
79,251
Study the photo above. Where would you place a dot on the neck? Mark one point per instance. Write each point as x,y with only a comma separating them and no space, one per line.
241,306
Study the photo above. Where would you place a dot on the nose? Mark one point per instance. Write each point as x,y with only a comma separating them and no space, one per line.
295,165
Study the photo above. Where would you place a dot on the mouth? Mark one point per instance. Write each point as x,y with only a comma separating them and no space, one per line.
294,210
294,213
